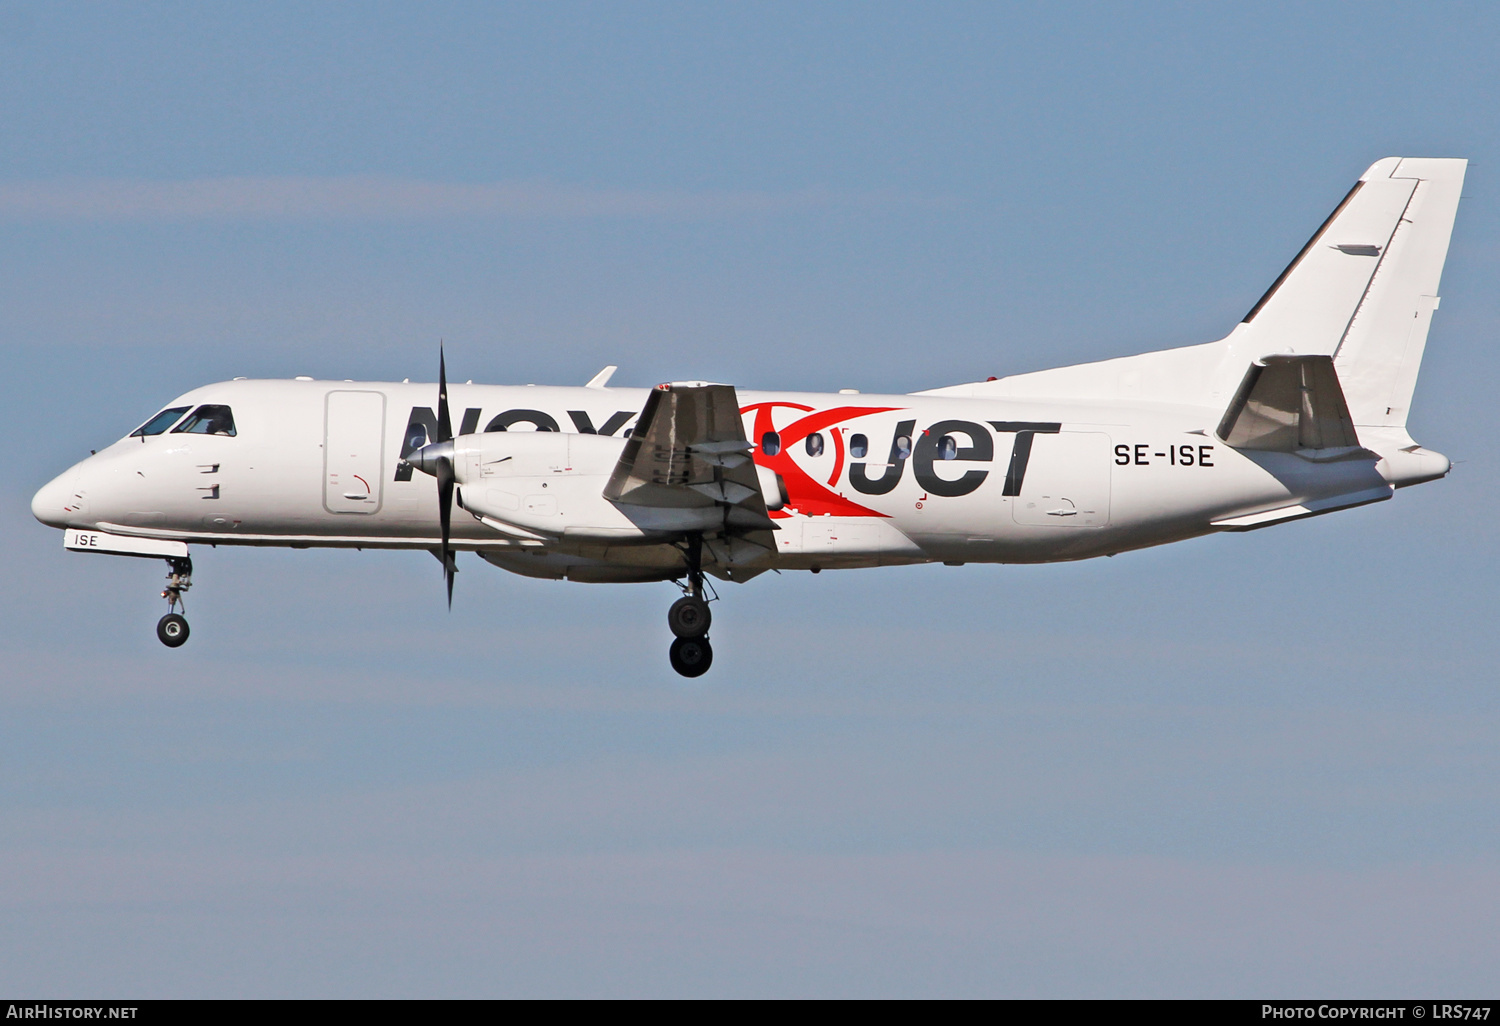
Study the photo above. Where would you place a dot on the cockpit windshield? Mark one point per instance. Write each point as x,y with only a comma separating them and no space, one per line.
208,420
159,423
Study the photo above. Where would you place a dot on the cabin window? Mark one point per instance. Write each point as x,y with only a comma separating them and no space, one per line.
416,437
208,420
770,443
859,446
815,444
903,446
947,448
159,423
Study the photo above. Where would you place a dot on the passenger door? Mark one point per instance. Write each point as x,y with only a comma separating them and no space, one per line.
353,451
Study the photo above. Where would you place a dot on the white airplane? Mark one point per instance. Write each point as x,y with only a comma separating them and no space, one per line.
1301,410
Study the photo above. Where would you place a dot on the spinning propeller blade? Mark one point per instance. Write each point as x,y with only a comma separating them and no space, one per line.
445,513
445,424
444,474
436,458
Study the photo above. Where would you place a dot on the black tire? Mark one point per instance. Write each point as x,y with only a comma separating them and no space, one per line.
692,657
172,629
689,617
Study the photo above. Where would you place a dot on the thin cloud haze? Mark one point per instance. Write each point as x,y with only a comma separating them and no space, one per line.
360,197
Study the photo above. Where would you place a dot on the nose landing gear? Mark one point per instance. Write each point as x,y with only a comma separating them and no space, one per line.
689,618
172,629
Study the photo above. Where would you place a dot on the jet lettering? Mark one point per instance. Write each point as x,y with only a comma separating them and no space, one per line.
982,450
1020,449
894,466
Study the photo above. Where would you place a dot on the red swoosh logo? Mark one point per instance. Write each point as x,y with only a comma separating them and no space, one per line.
808,496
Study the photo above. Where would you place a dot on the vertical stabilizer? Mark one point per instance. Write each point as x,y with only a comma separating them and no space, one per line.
1308,308
1363,288
1361,292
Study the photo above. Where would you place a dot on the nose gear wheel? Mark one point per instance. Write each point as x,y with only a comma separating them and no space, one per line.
172,630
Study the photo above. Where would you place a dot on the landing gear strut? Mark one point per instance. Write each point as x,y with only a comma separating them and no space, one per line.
172,629
689,618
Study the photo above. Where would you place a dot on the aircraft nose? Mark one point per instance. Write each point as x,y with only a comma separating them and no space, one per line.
59,501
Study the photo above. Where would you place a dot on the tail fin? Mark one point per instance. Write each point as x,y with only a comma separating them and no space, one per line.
1362,291
1364,287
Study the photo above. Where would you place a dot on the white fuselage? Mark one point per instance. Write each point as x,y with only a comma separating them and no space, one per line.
319,463
1299,411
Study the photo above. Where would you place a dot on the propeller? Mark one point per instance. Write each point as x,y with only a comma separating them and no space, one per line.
436,458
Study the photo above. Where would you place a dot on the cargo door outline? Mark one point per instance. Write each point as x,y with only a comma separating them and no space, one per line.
1067,482
353,451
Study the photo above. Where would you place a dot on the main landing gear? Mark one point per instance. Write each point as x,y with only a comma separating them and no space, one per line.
689,618
172,629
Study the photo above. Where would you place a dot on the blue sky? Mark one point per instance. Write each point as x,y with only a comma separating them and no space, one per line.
1245,765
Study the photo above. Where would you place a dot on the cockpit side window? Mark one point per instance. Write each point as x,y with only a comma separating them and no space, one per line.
159,423
208,420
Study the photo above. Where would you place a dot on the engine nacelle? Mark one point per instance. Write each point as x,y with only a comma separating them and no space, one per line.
526,454
550,484
547,483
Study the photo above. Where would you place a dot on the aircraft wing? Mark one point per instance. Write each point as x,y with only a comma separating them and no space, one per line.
688,452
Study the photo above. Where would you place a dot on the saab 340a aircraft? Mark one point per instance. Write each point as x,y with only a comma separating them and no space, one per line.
1300,411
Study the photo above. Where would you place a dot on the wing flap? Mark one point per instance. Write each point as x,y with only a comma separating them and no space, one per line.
689,451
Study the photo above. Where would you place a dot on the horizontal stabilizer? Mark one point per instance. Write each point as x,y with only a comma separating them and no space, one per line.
1290,404
1302,510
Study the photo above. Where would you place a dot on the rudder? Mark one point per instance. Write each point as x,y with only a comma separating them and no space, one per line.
1380,352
